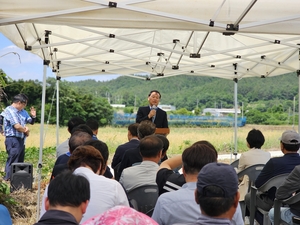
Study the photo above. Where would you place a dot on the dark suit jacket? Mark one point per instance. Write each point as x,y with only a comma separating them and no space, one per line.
276,166
133,143
161,120
131,156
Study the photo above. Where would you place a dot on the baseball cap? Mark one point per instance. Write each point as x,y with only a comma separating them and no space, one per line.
290,137
220,175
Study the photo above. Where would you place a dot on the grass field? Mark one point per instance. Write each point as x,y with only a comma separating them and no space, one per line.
180,138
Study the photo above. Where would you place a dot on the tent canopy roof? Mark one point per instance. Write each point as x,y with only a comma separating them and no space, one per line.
158,38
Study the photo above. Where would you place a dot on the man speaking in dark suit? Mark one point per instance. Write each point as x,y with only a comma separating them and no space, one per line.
152,112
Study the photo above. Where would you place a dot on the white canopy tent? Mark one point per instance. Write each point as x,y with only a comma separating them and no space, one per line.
153,39
158,37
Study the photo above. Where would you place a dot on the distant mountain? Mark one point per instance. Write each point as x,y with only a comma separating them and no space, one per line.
189,91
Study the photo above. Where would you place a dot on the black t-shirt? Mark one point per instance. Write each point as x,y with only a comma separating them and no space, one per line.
167,180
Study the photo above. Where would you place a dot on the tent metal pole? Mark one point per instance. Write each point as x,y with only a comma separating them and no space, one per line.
235,117
298,74
298,103
57,110
40,163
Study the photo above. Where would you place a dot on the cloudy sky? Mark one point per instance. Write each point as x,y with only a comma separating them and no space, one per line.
28,66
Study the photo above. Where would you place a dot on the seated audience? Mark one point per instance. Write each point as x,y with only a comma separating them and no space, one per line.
144,173
105,193
166,144
121,215
63,148
132,156
5,216
255,139
80,128
67,199
102,147
133,142
290,187
77,138
94,125
217,194
167,178
180,206
289,145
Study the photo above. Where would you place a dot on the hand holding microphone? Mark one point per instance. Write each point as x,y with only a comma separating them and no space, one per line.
152,111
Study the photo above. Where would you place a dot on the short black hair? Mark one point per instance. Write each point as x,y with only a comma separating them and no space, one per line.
195,157
83,128
150,146
93,124
214,206
165,141
73,122
255,138
289,147
20,98
68,189
154,91
133,129
100,146
204,142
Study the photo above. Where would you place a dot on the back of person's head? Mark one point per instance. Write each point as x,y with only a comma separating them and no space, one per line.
73,122
217,189
84,156
133,129
290,140
68,189
146,128
255,138
20,98
197,156
83,128
100,146
93,124
150,146
204,142
78,138
165,141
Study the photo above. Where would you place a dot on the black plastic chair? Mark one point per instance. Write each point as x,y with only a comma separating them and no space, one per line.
288,201
252,172
235,163
273,182
144,198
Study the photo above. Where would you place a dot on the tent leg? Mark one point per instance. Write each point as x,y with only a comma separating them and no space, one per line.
57,110
40,163
298,74
235,117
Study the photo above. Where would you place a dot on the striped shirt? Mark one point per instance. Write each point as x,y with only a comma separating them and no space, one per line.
13,116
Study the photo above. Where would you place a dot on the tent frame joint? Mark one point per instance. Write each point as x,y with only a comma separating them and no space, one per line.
46,62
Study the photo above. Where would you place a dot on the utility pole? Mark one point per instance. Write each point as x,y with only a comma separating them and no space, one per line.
134,103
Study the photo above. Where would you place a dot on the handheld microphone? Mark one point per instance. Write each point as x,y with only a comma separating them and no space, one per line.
154,107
